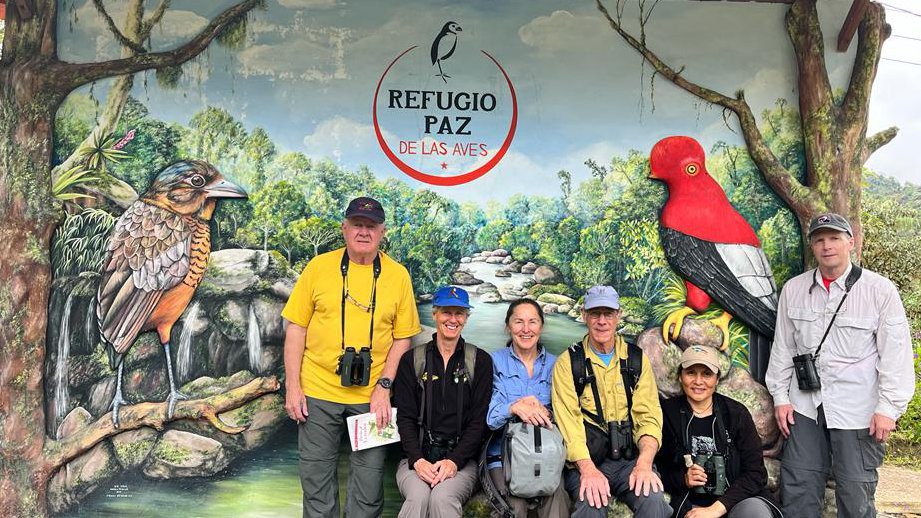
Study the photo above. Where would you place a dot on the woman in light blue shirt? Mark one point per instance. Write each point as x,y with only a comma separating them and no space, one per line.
522,375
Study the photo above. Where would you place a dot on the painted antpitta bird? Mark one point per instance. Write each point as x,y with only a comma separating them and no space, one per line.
155,258
714,250
444,45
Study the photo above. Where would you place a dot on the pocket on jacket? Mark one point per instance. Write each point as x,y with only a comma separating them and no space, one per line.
854,337
802,319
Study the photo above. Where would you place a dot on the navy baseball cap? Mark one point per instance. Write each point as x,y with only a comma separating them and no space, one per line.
451,296
366,208
601,297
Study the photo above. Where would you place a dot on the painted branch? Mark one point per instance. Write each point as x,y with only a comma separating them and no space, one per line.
58,453
110,23
115,190
67,76
781,181
155,18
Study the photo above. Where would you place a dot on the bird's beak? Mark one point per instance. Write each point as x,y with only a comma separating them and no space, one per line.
225,189
652,174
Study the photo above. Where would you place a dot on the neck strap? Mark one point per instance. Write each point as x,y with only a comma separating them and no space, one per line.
344,268
848,284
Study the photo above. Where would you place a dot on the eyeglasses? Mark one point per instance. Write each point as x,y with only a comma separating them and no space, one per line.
359,305
606,315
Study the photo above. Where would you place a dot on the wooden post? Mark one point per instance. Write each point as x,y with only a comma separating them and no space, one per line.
849,27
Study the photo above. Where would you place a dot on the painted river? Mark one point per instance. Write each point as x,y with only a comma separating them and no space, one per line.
264,483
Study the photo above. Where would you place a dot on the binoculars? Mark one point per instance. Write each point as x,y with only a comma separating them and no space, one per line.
715,467
436,448
621,436
807,377
355,367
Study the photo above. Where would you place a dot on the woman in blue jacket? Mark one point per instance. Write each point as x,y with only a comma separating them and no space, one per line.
522,374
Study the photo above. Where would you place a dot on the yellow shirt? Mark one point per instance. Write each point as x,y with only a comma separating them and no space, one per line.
315,305
567,407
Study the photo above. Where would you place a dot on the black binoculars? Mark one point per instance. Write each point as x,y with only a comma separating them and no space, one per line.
436,447
621,436
355,367
715,467
807,377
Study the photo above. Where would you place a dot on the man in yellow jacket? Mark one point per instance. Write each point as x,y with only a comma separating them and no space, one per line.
612,429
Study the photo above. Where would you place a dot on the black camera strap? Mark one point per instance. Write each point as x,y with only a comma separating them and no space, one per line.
848,284
344,268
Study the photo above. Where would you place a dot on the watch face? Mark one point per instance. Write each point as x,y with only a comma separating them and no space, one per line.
385,382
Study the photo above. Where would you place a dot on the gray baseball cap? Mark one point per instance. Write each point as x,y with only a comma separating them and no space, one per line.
601,297
831,221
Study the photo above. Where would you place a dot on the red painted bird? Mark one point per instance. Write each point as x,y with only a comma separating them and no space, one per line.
714,250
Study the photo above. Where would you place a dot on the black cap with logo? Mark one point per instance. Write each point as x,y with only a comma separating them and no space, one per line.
365,207
830,221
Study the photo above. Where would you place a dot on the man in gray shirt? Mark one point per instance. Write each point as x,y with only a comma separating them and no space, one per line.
840,373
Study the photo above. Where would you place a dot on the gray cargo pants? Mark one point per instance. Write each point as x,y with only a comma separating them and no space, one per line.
318,442
812,453
618,474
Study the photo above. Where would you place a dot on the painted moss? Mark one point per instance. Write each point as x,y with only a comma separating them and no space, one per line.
170,453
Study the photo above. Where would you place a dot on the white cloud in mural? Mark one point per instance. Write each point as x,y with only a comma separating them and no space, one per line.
343,140
175,25
562,31
317,56
308,4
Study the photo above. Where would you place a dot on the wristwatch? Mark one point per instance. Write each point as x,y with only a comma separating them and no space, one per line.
386,383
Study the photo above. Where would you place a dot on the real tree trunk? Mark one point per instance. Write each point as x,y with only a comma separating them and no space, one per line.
25,284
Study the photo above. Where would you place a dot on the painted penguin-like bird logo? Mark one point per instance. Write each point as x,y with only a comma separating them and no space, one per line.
155,258
714,249
443,47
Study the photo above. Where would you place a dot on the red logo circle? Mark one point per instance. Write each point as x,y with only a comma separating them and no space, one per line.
456,179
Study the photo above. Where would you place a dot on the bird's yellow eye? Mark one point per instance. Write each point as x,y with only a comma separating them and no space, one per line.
691,169
197,181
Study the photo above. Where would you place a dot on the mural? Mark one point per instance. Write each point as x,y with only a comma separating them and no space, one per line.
167,170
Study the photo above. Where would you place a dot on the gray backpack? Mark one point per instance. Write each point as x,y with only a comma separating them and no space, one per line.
532,459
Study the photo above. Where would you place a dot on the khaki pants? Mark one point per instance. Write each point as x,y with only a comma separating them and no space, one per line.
318,447
446,500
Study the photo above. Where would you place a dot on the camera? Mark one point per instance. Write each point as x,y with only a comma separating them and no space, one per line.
621,435
437,447
807,376
715,467
355,367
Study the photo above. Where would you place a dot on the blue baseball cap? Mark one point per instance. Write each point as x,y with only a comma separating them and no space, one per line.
601,297
451,296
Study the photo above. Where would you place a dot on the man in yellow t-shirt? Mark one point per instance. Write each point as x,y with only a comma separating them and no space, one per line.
358,303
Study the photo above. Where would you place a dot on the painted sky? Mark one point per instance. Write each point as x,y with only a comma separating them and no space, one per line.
308,72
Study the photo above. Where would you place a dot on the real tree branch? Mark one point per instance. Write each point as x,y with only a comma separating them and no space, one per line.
794,193
58,453
879,140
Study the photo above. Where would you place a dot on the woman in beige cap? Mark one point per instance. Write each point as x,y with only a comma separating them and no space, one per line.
710,459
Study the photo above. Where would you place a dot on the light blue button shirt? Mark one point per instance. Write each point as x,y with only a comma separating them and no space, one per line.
511,383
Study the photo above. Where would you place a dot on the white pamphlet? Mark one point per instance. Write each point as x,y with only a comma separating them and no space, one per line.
364,434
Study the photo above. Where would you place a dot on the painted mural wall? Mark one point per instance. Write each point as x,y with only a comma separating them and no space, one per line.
509,143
